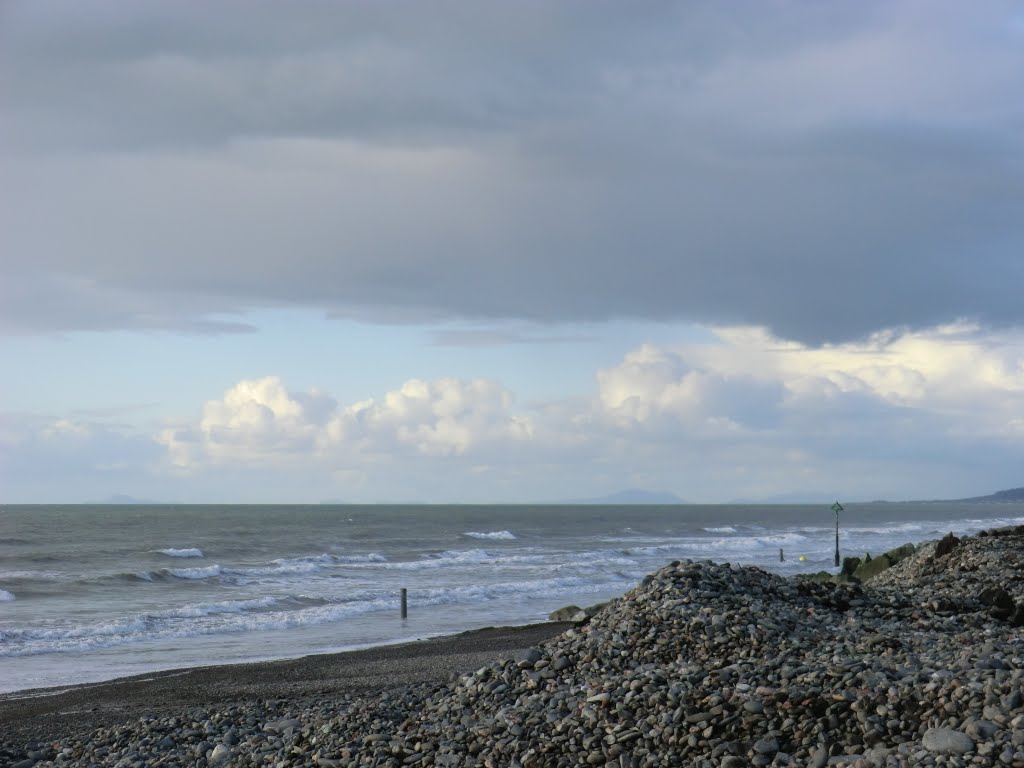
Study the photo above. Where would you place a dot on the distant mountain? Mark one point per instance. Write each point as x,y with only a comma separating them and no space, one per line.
1012,494
631,496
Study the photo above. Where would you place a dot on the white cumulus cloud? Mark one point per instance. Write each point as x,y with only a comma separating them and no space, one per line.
260,420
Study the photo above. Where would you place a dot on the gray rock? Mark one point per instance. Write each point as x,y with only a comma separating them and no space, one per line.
568,613
280,726
946,741
219,754
980,730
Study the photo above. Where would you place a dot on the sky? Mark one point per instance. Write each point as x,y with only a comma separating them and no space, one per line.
511,251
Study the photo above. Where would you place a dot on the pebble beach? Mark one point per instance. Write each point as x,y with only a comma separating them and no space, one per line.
703,664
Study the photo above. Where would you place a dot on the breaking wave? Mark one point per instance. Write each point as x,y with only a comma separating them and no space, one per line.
492,535
191,552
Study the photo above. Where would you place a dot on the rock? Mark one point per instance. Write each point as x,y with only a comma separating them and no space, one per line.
850,565
568,613
220,753
593,610
999,600
560,662
871,567
280,726
981,730
532,655
946,741
946,544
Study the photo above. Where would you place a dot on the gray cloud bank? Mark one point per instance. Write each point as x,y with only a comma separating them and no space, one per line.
822,170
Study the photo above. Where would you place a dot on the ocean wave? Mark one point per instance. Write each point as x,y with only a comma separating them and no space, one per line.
242,574
888,530
30,576
278,568
750,546
723,529
165,574
190,552
270,613
205,572
5,596
287,566
462,558
494,535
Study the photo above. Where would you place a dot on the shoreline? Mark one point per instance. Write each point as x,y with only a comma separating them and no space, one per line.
63,712
702,663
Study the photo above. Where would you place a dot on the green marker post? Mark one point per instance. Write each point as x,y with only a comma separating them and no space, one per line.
837,508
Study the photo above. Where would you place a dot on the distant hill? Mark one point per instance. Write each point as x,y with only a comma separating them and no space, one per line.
1012,494
631,496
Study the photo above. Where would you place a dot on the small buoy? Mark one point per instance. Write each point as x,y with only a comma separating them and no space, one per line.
803,558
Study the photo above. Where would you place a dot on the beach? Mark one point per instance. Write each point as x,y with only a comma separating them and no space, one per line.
62,713
93,593
702,663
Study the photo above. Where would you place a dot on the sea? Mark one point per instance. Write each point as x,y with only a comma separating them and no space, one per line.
91,593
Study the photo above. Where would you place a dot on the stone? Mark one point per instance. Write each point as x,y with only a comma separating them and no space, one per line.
871,567
946,741
560,662
1000,602
980,730
568,613
946,544
220,753
280,726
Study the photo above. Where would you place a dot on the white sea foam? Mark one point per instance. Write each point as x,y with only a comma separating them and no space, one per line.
195,573
723,529
494,535
307,564
273,613
889,530
734,546
5,596
191,552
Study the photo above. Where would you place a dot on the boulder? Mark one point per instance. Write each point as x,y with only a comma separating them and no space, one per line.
872,566
568,613
850,565
592,610
999,601
946,544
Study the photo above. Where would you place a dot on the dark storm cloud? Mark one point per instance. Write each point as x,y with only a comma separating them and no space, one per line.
825,171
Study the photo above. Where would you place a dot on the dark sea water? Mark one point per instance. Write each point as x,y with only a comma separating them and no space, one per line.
90,593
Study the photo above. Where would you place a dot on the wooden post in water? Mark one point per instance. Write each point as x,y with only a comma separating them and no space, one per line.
405,603
782,557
